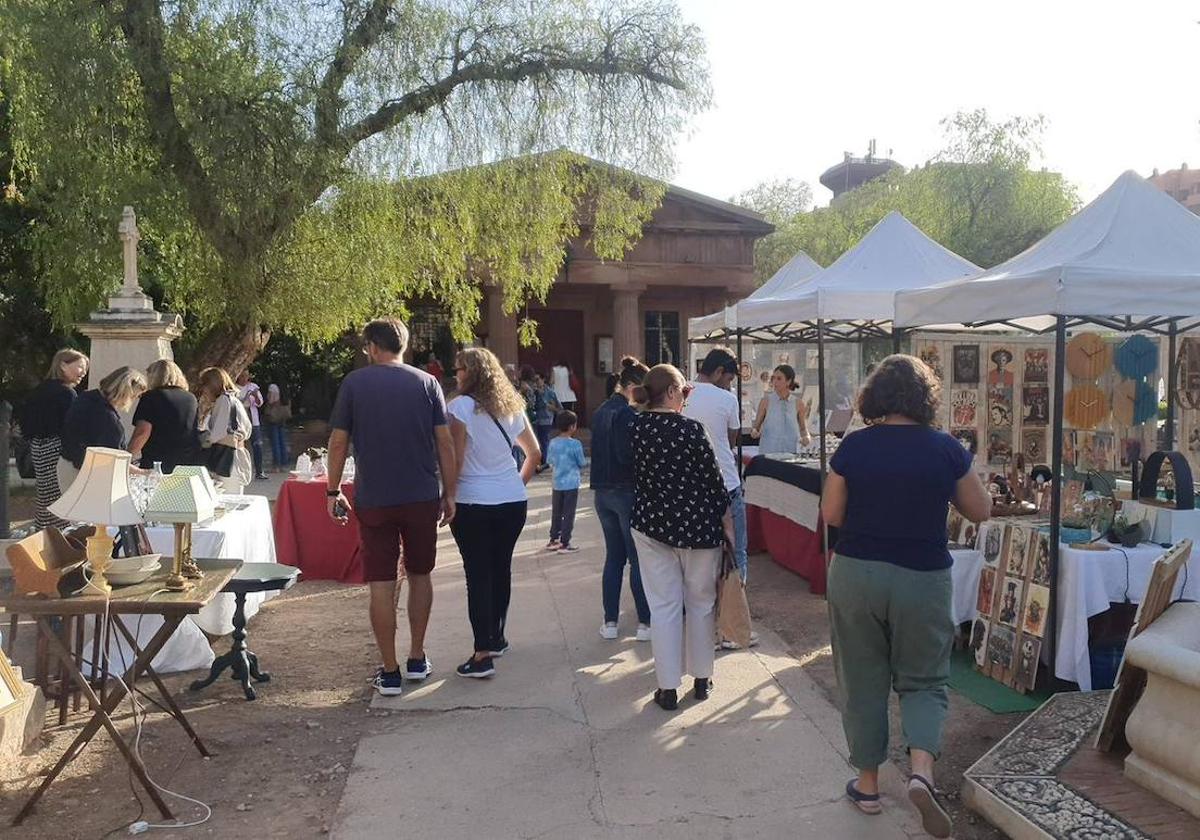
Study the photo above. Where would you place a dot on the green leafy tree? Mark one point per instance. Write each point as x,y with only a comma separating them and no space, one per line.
299,166
978,197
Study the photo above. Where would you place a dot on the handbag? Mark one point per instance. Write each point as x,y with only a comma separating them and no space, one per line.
23,453
733,611
517,452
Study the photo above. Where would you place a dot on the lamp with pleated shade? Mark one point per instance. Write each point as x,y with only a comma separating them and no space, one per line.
182,499
99,496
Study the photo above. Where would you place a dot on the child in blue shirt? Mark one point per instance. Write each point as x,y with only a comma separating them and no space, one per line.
565,456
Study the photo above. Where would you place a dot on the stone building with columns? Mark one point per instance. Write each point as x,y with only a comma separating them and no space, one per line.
695,256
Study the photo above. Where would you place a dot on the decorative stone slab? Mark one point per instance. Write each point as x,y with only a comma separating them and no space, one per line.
1016,785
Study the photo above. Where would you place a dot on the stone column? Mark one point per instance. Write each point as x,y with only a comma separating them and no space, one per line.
130,331
628,329
502,328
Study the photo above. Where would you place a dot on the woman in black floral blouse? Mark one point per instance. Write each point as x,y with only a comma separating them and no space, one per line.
680,520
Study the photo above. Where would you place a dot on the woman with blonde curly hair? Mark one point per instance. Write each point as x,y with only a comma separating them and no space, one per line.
490,431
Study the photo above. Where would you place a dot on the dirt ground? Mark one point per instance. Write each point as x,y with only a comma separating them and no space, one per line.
781,600
279,763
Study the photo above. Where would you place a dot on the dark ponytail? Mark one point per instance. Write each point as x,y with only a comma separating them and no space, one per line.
789,373
632,373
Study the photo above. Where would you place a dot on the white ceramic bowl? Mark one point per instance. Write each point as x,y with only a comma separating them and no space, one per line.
128,570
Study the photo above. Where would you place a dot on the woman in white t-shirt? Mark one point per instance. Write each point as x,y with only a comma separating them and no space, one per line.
488,424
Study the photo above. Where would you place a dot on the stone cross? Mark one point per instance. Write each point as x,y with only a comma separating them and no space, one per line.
128,233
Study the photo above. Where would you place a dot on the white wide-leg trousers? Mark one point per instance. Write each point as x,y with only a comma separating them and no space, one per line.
675,579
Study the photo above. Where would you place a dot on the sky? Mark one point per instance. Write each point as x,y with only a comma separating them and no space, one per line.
797,83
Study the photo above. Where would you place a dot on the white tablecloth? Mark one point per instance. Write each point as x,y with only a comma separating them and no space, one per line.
1088,582
244,535
784,499
968,566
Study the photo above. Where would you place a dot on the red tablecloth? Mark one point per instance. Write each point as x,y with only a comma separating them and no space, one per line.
791,545
307,538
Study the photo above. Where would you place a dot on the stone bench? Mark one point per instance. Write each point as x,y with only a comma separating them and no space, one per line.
1163,728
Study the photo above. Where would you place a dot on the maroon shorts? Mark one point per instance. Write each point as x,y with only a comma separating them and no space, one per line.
382,531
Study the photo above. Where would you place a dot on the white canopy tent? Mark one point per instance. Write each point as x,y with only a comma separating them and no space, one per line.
856,295
1132,254
1127,262
795,272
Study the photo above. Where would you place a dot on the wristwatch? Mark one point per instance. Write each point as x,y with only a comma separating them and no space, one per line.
333,494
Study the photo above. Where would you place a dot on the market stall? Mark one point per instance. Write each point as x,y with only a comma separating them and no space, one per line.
850,301
783,511
1117,275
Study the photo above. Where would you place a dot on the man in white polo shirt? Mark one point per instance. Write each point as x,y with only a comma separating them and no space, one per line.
713,404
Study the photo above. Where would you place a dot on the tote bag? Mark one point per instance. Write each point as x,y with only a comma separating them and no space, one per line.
733,611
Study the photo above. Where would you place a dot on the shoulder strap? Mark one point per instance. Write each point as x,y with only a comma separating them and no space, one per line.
507,439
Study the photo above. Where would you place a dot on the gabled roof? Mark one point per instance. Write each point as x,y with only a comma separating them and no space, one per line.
1133,251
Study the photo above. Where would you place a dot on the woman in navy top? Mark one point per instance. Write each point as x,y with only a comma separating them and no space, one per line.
887,492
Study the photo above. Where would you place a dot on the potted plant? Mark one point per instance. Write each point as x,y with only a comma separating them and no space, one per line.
1127,533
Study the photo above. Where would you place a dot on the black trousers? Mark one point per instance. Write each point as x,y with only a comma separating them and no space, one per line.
562,514
486,536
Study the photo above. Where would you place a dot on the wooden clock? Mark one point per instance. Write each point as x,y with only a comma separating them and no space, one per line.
1134,403
1088,356
1136,357
1086,406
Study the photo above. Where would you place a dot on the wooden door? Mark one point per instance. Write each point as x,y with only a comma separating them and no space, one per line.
562,337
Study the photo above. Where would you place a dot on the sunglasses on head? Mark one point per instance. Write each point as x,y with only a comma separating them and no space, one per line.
687,390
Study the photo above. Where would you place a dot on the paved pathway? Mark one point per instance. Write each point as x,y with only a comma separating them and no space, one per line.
565,741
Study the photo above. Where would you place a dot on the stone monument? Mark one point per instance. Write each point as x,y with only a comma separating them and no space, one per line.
130,331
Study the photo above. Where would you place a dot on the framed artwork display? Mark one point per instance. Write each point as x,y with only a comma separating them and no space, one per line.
1000,647
966,364
1033,445
1035,400
931,354
963,405
991,541
987,591
1036,607
1000,370
1041,558
1000,406
969,438
1000,448
1025,667
1016,552
1011,592
1037,364
979,638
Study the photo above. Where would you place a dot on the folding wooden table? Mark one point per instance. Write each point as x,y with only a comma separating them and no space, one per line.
147,598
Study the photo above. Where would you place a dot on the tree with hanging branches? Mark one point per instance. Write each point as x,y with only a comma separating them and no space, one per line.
299,165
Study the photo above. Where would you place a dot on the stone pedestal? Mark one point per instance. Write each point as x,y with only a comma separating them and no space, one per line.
1162,727
130,331
22,722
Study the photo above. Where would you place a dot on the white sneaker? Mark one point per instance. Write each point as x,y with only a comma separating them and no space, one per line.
643,633
608,630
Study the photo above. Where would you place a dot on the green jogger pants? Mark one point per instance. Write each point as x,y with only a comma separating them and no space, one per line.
891,628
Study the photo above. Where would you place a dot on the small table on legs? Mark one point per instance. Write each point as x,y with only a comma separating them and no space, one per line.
252,577
146,598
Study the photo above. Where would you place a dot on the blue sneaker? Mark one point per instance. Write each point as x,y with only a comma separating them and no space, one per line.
418,669
388,683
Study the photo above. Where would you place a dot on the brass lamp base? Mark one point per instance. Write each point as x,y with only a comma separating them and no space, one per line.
176,581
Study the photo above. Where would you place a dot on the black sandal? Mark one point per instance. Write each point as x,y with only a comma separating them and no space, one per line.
701,688
666,698
868,803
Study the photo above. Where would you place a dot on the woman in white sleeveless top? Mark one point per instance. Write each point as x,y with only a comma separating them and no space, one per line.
782,421
560,377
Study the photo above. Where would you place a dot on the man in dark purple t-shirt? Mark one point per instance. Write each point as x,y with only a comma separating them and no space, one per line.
395,415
